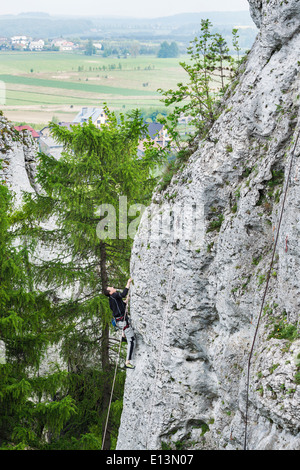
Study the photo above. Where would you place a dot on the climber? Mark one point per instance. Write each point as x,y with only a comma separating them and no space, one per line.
118,307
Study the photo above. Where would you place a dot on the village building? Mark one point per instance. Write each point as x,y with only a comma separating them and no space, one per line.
96,115
48,144
158,135
21,40
33,132
37,45
63,45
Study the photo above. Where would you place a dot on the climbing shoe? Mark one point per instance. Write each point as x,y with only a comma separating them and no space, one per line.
124,340
129,366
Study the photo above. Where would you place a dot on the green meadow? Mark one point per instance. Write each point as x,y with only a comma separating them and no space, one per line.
40,85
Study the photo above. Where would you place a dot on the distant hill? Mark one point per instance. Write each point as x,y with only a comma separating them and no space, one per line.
216,17
42,27
180,27
34,14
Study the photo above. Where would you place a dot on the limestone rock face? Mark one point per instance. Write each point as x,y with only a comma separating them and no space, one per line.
196,300
18,160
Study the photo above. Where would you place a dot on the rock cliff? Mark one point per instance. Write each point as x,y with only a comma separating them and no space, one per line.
18,153
195,303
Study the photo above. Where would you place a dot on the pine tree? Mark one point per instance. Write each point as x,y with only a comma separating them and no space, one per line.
28,410
97,167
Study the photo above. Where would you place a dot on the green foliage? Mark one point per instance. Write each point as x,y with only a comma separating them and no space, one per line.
209,66
90,48
179,445
277,178
84,429
168,50
165,446
215,224
27,325
205,428
256,260
283,330
267,196
209,70
297,378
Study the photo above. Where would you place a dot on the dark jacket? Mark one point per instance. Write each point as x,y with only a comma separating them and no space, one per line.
117,304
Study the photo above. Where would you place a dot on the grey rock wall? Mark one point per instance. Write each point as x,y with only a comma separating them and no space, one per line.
194,306
18,159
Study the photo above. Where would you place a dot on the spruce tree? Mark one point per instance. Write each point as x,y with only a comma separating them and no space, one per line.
97,168
31,405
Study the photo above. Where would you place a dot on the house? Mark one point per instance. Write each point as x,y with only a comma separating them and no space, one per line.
21,40
4,43
66,124
63,44
37,45
50,146
158,135
34,133
45,132
184,119
97,116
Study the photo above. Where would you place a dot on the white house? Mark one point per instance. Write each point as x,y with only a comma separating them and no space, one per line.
23,40
97,116
63,44
20,41
36,45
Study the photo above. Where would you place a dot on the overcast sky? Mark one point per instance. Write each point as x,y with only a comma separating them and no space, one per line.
136,8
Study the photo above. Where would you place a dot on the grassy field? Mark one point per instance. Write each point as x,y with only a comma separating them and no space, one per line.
43,85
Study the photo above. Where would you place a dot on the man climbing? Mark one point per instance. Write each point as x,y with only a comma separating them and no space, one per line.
118,307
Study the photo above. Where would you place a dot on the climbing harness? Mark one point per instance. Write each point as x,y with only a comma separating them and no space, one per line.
115,373
267,285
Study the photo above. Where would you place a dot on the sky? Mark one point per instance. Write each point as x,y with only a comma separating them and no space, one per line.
135,8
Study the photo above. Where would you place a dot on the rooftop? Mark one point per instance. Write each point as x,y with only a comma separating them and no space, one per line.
34,133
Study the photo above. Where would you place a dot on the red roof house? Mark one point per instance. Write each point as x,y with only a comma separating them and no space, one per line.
34,133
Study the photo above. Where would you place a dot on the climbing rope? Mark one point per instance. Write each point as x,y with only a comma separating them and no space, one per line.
164,325
114,379
266,287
